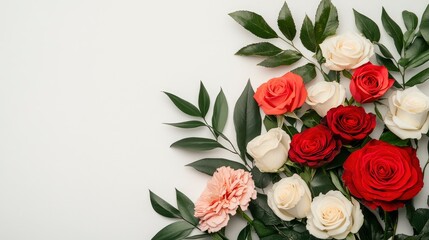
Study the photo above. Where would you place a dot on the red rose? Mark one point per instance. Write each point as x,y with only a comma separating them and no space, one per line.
350,123
383,175
314,147
281,95
370,82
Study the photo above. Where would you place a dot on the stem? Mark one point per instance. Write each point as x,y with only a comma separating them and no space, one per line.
424,168
385,225
401,71
245,216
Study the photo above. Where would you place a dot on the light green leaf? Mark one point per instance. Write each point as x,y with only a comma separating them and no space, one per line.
393,30
424,24
259,49
209,165
177,230
162,207
419,78
203,100
307,72
326,22
286,57
184,105
254,23
367,27
186,208
410,20
307,35
196,143
285,22
220,113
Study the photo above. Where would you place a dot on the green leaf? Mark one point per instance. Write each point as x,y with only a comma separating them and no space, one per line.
410,20
371,228
307,72
259,49
199,236
419,219
326,22
367,27
162,207
419,60
383,49
286,23
388,63
391,138
184,105
261,179
261,229
286,57
187,124
416,48
196,143
262,212
209,165
377,112
311,118
254,23
409,36
339,159
419,78
220,112
245,233
337,183
247,119
424,24
177,230
393,30
203,100
270,122
307,35
321,183
347,74
186,208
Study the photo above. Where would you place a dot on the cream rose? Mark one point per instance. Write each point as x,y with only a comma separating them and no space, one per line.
270,150
333,216
346,51
323,96
408,113
290,198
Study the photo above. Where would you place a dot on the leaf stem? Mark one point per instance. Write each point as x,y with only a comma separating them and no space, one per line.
245,216
385,225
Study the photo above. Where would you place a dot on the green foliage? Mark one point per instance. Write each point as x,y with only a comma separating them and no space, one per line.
203,100
259,49
326,23
197,144
307,35
262,212
367,27
285,22
307,72
393,30
162,207
187,124
177,230
209,165
184,106
389,137
220,113
286,57
254,23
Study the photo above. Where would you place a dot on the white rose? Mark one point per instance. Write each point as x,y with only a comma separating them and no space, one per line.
290,198
325,95
408,113
270,150
333,216
347,51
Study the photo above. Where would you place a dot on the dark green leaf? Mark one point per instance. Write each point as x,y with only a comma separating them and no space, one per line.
261,179
424,24
307,35
177,230
307,72
311,118
290,130
419,78
270,122
247,118
262,212
209,165
393,30
162,207
367,27
388,63
321,183
419,60
383,49
408,38
203,100
199,236
371,228
187,124
391,220
391,138
184,105
186,208
245,233
326,22
410,20
334,76
347,74
286,23
286,57
261,229
377,112
196,143
416,48
220,112
337,183
254,23
259,49
339,159
419,219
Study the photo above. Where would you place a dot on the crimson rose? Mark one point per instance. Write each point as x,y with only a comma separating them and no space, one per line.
350,123
383,175
370,82
314,147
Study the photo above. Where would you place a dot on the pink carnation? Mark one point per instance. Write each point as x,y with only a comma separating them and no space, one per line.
225,192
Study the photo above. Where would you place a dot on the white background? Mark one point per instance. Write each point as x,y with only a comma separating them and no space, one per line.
81,105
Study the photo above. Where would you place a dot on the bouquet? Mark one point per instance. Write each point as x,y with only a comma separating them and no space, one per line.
309,166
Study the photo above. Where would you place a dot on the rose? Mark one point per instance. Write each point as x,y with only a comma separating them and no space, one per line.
314,147
289,198
282,94
270,150
226,191
383,175
408,113
333,216
346,51
369,82
323,96
350,123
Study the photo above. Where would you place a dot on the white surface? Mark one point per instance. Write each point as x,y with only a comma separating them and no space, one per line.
81,133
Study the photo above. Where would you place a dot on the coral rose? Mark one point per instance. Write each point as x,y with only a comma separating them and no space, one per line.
226,191
281,95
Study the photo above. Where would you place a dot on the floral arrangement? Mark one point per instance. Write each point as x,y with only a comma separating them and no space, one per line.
309,168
